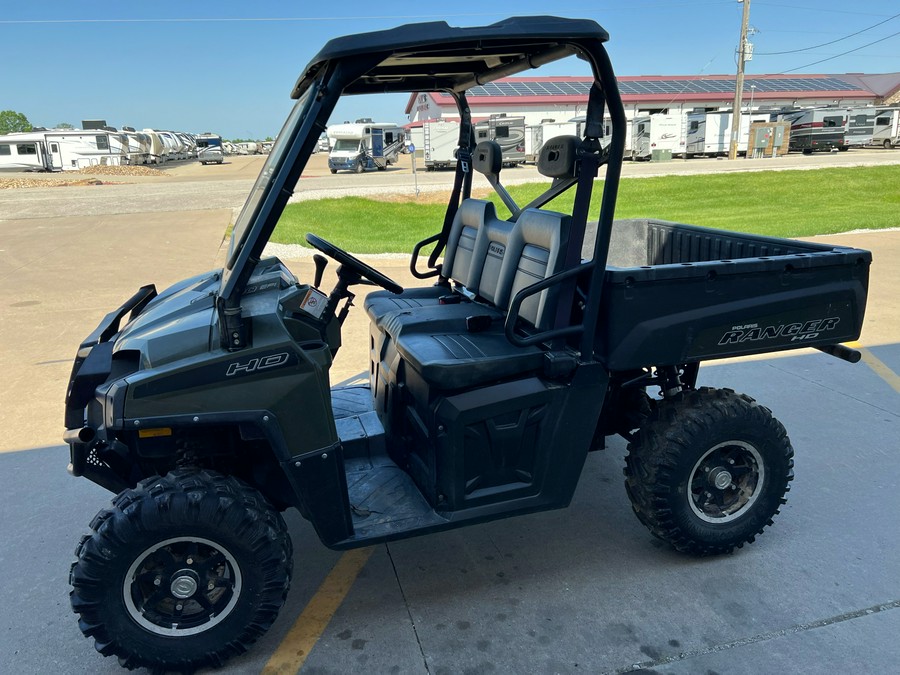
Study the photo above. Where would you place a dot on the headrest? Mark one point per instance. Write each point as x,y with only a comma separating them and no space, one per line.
558,156
487,158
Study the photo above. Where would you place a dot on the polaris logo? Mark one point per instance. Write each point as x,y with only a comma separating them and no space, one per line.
496,249
797,332
257,364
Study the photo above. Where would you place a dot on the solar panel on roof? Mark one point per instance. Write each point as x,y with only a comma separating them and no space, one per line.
668,87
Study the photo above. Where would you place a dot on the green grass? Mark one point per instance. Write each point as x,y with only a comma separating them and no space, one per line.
775,203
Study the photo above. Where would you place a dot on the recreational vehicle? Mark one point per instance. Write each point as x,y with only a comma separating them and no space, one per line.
440,139
534,139
171,144
860,126
190,144
660,131
364,145
323,145
60,150
157,149
209,149
554,129
138,146
509,132
709,133
24,152
816,128
886,132
118,145
248,148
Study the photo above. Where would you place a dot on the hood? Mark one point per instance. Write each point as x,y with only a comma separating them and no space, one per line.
176,324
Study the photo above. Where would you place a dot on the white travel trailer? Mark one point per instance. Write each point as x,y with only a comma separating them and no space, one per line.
660,131
509,132
189,143
364,145
886,133
118,144
25,152
709,133
170,145
138,146
61,150
554,129
440,139
159,152
534,139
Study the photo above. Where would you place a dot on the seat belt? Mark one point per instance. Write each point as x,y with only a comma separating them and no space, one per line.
462,181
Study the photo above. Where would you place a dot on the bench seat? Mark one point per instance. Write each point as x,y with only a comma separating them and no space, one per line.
462,263
460,360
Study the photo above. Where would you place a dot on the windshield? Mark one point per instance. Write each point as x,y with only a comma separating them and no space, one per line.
270,168
346,145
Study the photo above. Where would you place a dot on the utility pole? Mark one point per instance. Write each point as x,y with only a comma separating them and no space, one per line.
739,84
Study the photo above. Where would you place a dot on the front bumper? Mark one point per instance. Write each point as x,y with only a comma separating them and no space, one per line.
86,417
340,164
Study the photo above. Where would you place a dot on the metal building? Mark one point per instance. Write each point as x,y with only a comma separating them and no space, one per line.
540,99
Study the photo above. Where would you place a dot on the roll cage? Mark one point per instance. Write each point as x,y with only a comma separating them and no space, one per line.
436,57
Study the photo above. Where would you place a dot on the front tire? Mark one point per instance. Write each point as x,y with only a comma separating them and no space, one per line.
709,470
182,572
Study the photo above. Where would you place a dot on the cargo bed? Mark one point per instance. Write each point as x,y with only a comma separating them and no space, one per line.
677,293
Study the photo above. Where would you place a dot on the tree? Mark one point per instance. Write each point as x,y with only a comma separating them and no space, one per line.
11,121
64,125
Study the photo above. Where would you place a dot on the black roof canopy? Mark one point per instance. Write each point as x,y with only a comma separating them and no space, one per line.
438,57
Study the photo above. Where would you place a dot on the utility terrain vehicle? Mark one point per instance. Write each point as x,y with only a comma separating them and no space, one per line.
209,410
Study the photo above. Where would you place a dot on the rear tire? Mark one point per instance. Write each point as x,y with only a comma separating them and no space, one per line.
709,470
182,572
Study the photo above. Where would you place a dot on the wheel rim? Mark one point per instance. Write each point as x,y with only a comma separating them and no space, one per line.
182,586
726,481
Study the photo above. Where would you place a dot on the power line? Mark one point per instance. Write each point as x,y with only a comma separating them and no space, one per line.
836,56
825,44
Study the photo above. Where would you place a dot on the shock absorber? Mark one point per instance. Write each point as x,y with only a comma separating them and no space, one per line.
671,381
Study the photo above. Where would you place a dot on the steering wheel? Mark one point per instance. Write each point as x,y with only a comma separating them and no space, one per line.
354,264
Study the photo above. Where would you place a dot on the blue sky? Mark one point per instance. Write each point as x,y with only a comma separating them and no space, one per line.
228,67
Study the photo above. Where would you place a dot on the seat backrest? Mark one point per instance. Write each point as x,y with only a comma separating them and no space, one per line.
536,250
461,243
490,253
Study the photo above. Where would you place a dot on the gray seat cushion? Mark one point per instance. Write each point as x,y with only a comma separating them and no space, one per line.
462,360
435,319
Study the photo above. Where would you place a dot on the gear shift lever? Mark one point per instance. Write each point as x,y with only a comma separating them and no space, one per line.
320,262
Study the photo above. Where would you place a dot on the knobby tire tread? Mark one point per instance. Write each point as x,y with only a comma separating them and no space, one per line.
672,430
184,496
